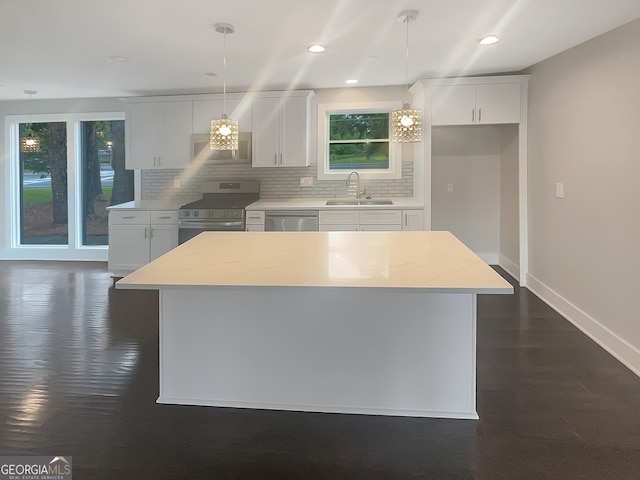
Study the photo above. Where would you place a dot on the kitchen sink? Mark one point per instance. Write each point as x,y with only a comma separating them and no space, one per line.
360,202
342,202
375,202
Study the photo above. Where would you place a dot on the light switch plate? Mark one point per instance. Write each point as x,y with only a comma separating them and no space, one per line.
559,190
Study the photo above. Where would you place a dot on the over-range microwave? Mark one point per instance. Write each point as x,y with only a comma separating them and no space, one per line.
201,152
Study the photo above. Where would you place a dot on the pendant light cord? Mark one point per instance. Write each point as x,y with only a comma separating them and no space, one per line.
224,75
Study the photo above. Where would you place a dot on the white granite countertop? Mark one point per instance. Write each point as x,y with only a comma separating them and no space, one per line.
147,205
321,204
427,261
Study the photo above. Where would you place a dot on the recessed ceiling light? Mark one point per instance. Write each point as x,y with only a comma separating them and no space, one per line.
489,40
119,59
351,81
316,49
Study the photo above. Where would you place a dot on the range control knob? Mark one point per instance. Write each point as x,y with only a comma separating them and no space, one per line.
187,213
210,213
226,214
196,213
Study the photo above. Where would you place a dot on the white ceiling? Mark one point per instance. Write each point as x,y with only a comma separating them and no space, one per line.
59,47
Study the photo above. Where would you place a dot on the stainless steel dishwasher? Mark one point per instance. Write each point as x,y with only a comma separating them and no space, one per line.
291,221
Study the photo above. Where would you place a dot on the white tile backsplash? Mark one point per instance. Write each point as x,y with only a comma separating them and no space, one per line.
274,182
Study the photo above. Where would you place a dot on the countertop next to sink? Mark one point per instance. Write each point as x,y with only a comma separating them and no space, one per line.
280,204
321,204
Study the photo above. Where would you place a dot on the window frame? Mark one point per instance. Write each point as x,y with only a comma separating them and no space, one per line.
325,110
74,250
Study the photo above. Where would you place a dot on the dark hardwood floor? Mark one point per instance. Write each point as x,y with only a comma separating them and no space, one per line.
79,377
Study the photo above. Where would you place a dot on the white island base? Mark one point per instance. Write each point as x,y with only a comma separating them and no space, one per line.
352,322
345,350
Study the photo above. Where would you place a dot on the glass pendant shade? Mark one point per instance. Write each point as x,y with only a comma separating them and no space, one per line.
224,134
406,125
29,144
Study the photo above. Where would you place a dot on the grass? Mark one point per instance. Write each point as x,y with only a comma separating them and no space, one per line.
44,195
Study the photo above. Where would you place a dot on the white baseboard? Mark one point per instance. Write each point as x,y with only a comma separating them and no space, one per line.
618,347
511,268
490,258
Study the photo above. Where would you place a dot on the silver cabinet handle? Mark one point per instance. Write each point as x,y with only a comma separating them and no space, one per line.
479,115
280,159
275,159
146,232
151,232
164,217
406,219
473,115
128,217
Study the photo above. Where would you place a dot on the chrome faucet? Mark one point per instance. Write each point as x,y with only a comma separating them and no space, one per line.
357,182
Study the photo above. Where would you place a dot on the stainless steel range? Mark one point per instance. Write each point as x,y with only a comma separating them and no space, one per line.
221,208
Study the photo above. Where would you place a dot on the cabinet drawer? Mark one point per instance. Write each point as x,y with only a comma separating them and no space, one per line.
129,217
344,217
169,217
255,217
381,217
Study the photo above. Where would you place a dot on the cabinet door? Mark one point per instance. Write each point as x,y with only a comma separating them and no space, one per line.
206,110
158,135
293,133
338,217
499,103
381,217
128,247
266,132
453,105
380,228
162,239
337,227
412,220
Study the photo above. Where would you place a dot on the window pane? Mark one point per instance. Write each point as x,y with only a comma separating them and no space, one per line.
104,179
43,188
359,126
360,156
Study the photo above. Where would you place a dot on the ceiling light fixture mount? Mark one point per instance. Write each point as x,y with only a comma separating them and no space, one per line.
406,124
316,48
224,132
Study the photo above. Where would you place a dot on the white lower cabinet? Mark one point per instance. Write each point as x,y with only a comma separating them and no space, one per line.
412,220
255,221
359,220
138,236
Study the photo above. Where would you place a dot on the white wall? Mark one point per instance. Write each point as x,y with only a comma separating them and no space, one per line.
584,131
509,201
468,159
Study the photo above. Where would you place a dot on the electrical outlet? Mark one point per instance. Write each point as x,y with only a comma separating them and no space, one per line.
306,181
177,183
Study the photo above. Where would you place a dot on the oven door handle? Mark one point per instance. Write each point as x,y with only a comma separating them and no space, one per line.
210,225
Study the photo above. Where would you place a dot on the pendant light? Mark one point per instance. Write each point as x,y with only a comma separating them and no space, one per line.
406,124
29,143
224,132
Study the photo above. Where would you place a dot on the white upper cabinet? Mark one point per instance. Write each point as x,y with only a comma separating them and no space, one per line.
281,130
158,134
481,104
206,110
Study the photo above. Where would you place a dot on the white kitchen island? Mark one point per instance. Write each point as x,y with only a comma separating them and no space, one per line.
352,322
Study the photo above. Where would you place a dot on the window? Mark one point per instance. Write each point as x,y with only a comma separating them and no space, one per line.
359,141
60,190
357,137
